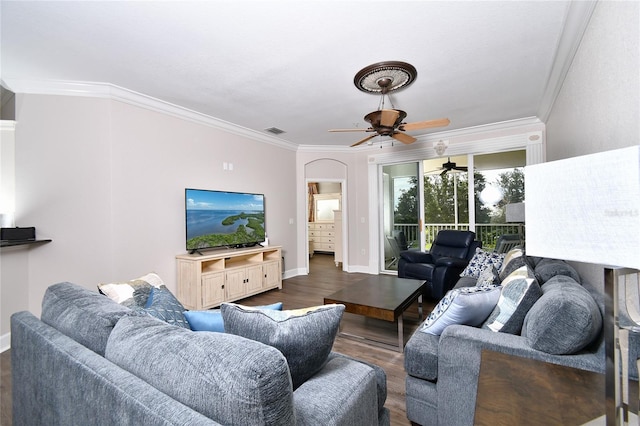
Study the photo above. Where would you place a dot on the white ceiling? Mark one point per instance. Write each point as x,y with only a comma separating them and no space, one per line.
290,64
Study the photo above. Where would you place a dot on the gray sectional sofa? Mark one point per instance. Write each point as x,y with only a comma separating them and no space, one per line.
442,370
91,361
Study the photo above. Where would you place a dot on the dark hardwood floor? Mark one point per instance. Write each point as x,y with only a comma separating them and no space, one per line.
323,279
303,291
5,388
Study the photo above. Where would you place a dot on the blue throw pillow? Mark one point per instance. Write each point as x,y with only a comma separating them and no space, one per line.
163,305
211,320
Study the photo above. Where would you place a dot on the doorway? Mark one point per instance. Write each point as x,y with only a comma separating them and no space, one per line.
325,225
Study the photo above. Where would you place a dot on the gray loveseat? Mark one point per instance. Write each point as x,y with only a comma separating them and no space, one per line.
93,361
442,371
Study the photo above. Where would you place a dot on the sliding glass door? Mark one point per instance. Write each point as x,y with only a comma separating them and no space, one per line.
472,192
402,212
499,183
459,192
446,195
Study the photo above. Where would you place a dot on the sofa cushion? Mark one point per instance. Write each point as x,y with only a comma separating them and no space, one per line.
564,320
520,291
84,315
163,305
546,269
132,293
211,319
227,378
466,305
466,282
304,336
480,260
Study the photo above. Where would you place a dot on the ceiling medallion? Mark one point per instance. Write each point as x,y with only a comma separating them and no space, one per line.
385,77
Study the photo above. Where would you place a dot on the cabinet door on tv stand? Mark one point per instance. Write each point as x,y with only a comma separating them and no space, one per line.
212,289
254,279
272,275
236,287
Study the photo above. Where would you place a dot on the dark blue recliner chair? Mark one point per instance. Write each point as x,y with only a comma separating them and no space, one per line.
441,266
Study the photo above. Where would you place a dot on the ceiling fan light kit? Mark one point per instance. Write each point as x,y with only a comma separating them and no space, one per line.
383,78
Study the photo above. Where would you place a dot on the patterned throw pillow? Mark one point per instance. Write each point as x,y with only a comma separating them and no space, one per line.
488,276
466,305
132,293
481,259
163,305
520,291
514,259
304,336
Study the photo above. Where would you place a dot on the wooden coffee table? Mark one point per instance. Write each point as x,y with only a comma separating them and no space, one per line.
384,297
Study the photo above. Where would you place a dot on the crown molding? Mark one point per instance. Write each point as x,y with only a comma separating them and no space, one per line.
120,94
476,146
575,25
325,148
117,93
429,139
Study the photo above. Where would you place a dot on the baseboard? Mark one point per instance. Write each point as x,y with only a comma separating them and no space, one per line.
294,273
5,342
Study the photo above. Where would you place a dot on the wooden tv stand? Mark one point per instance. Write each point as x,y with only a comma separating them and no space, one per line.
205,281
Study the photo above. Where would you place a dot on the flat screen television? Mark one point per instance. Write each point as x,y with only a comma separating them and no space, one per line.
223,219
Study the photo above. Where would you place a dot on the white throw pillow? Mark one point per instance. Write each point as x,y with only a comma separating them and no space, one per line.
465,305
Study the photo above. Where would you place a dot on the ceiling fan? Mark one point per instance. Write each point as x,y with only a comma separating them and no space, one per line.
449,166
385,77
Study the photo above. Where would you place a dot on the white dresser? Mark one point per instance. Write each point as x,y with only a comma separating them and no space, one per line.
322,235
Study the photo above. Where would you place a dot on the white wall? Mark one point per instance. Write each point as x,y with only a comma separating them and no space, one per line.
105,180
597,108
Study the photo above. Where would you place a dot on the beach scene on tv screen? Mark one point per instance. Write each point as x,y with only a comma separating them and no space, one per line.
218,219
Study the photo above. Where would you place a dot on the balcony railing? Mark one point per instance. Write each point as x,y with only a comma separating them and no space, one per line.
488,233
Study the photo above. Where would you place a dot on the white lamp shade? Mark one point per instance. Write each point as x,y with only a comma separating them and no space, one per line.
586,208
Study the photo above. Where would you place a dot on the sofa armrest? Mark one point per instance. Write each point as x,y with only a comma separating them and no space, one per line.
421,356
413,256
381,377
459,357
452,261
342,393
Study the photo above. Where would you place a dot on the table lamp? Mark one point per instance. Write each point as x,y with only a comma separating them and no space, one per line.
587,209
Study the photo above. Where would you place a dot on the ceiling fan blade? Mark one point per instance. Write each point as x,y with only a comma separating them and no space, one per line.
364,140
440,122
461,168
388,117
352,130
444,172
433,171
403,137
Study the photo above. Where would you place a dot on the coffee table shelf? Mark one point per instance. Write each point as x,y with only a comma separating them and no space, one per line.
384,297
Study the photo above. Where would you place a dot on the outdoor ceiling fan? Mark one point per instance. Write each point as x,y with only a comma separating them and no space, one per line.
383,78
449,166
